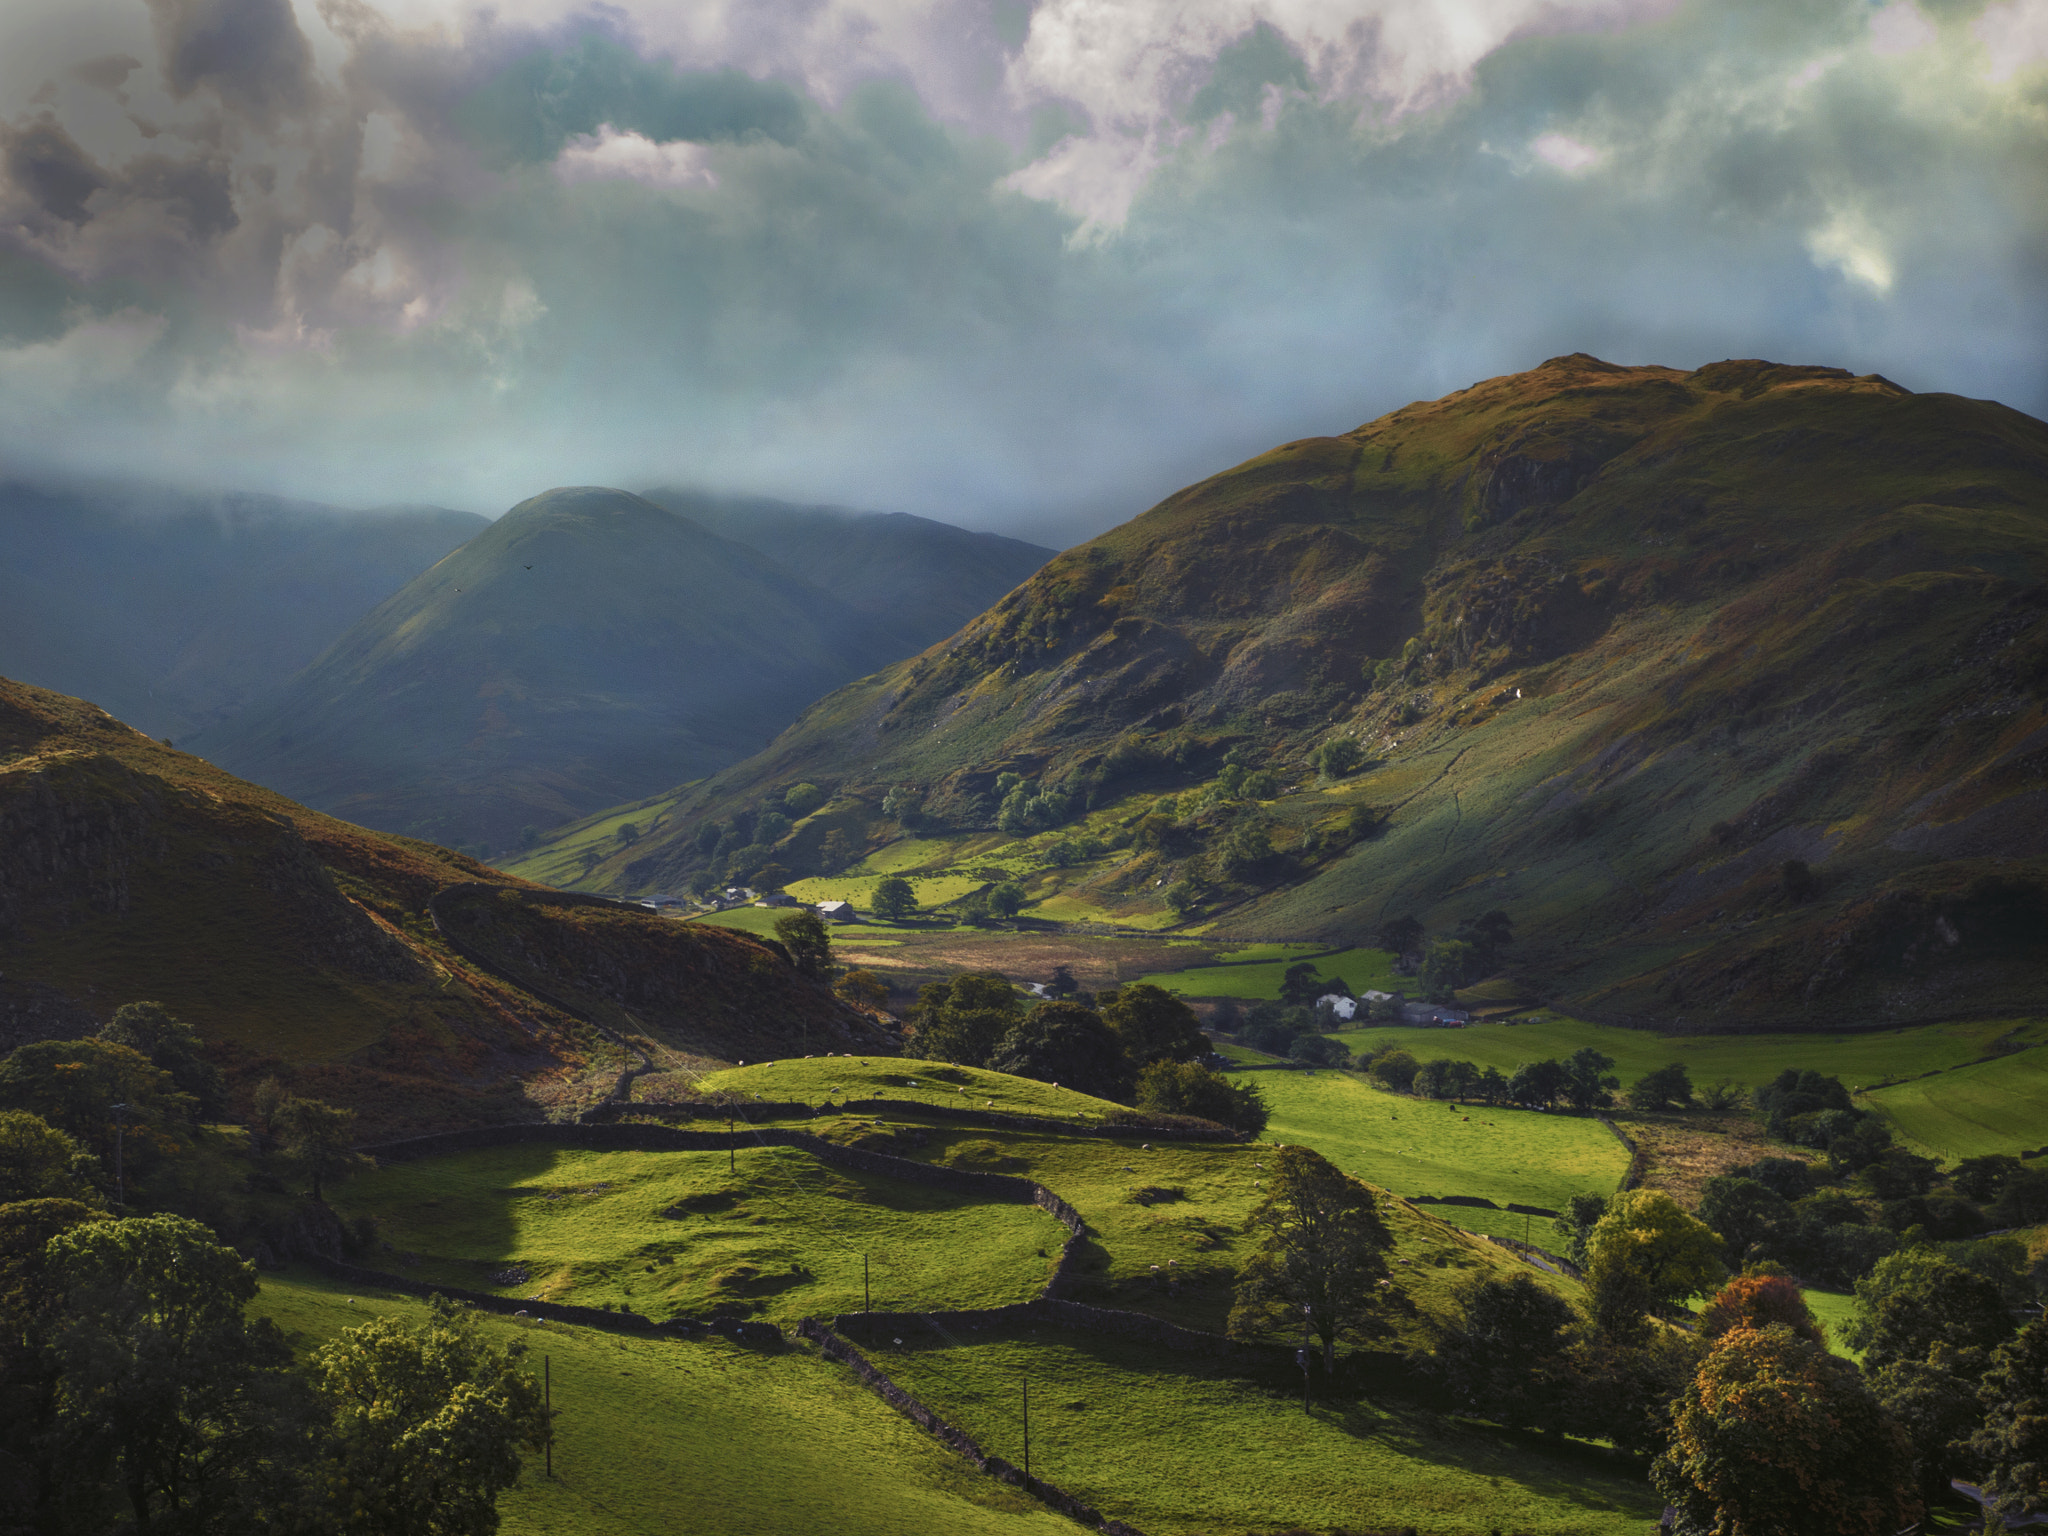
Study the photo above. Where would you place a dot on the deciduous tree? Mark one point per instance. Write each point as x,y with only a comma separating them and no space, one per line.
40,1162
1065,1043
1776,1435
2012,1446
1506,1357
1154,1025
808,941
963,1020
1189,1088
894,900
1646,1252
429,1422
1668,1087
318,1137
172,1044
1321,1247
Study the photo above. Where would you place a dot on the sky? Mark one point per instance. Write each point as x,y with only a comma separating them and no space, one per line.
1020,266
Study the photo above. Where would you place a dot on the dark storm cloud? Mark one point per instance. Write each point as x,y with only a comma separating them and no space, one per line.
463,262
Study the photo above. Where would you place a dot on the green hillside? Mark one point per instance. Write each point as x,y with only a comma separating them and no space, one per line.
1726,685
390,975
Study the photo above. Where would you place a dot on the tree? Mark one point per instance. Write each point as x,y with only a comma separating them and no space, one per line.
1914,1301
1581,1214
1007,899
808,941
169,1400
894,900
34,1481
1774,1434
429,1422
802,798
318,1137
1401,937
1448,966
2012,1446
1319,1051
74,1084
1505,1357
1491,935
1065,1043
1646,1252
1181,898
1154,1025
1744,1212
1189,1088
1538,1082
1321,1248
964,1019
1760,1301
1397,1069
1301,986
173,1045
1668,1087
39,1162
1062,983
1588,1078
863,989
1338,757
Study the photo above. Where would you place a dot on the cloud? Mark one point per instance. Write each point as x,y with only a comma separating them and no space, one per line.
1030,268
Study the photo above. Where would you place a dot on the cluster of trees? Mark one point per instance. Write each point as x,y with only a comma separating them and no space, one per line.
741,847
1135,1044
135,1393
140,1396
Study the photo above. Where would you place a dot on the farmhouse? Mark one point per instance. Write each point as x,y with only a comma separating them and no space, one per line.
838,912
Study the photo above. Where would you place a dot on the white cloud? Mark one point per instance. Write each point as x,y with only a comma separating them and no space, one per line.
1900,28
2014,34
1565,152
1848,244
609,155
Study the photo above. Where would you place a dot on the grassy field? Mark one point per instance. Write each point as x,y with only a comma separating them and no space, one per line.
859,888
1859,1060
1181,1447
1988,1106
781,1236
703,1436
1416,1147
1364,970
834,1079
569,851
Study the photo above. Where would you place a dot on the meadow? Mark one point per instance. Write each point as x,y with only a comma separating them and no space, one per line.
1181,1446
779,1234
1246,977
1999,1105
1860,1060
701,1435
1419,1147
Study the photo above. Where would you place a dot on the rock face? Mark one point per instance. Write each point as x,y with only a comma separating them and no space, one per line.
1617,646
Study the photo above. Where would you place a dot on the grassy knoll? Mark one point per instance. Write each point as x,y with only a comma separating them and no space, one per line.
1999,1105
1364,970
670,1232
1183,1447
1860,1060
704,1436
823,1079
1416,1147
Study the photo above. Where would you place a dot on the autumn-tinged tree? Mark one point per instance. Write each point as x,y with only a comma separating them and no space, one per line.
1776,1435
1760,1301
1322,1247
428,1425
864,989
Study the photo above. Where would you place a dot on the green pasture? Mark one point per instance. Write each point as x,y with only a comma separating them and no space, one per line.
1181,1446
2000,1105
762,921
859,888
1833,1309
702,1436
1859,1060
779,1234
1365,970
559,860
1421,1147
1069,907
835,1079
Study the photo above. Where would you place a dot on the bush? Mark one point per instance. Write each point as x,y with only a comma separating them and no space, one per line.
1187,1088
802,799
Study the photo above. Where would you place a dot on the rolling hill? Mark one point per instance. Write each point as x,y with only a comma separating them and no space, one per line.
588,647
1726,685
174,609
380,972
917,579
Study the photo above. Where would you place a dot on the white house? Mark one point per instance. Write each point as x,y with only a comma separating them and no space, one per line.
1339,1005
838,912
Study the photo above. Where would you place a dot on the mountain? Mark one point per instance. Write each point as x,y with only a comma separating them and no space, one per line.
587,647
1726,685
174,609
410,982
919,579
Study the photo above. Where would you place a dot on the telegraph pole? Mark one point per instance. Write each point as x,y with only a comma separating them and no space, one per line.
1027,1426
547,1389
732,1156
1304,1358
867,1295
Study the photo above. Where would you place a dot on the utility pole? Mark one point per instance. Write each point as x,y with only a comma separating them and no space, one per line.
867,1295
547,1391
1027,1426
732,1156
120,1141
1304,1358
